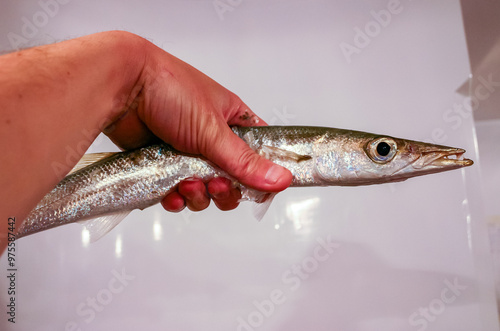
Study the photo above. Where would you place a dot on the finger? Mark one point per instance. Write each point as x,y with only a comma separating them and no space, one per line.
242,115
194,193
233,155
223,193
240,161
173,202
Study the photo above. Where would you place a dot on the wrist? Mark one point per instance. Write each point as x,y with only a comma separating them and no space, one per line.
126,56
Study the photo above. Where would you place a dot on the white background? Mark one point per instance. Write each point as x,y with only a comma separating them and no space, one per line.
398,247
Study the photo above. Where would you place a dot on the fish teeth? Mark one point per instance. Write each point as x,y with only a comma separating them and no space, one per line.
454,156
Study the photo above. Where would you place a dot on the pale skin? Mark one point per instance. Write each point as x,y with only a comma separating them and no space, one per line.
56,99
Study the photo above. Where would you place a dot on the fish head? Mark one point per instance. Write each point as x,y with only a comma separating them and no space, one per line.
371,159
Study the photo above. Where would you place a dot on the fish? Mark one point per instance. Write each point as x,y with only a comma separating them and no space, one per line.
104,187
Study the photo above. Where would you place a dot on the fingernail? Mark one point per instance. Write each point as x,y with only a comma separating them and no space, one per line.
274,173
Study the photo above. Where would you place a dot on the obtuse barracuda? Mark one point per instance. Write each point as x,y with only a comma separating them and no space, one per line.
103,188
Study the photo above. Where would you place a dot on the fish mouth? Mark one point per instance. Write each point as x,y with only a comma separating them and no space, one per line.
443,158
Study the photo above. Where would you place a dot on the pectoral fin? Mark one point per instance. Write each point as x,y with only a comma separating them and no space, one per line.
271,152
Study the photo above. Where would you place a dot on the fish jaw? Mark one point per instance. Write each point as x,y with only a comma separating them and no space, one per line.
445,158
424,158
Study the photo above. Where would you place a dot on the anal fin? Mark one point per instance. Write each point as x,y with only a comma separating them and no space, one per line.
98,227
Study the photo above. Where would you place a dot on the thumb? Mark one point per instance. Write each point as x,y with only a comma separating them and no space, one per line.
235,157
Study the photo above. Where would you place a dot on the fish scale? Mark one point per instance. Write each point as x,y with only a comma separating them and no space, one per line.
104,191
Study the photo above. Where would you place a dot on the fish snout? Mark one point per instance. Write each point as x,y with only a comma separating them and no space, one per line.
441,157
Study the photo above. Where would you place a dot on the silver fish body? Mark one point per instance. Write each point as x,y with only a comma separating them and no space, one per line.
316,156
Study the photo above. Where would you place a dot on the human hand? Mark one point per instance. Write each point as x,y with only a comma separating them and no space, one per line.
66,93
185,108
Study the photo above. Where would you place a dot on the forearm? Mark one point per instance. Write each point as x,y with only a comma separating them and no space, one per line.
54,101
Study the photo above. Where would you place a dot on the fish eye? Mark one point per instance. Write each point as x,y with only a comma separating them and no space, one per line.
382,150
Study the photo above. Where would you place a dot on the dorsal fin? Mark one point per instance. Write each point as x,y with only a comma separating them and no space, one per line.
88,159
